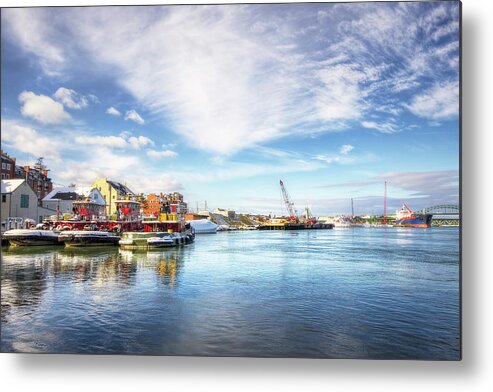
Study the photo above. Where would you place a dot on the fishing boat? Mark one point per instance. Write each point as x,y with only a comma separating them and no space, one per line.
87,238
90,226
167,228
405,217
88,215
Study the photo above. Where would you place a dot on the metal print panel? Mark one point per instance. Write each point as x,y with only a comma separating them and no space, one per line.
264,180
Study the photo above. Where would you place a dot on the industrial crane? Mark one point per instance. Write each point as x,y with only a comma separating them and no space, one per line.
289,204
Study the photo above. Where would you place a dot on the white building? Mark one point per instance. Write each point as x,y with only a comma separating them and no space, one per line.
226,213
63,198
19,200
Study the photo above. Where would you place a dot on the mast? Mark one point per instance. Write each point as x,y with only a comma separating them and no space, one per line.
385,204
352,208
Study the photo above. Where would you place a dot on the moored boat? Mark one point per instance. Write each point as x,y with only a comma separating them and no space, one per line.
405,217
87,238
204,226
30,237
148,240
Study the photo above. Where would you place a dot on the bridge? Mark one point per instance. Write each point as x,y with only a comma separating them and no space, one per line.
444,214
442,209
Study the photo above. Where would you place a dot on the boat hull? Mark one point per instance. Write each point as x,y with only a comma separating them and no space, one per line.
154,240
96,238
418,221
19,237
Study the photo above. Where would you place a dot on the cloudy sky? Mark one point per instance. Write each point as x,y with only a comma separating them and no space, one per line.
220,102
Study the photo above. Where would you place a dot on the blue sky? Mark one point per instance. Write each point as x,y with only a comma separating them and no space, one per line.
220,102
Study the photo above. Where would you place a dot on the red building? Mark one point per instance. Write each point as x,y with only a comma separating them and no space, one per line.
170,203
151,205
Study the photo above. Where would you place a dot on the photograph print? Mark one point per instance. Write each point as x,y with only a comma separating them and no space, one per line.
235,180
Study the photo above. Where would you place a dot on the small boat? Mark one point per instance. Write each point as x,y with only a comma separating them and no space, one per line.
160,242
87,238
149,240
407,218
204,226
30,237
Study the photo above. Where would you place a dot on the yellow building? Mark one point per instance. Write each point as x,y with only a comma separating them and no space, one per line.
111,191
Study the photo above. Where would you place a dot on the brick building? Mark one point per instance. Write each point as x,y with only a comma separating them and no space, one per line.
8,166
37,177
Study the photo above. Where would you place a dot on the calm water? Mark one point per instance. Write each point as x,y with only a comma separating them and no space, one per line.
345,293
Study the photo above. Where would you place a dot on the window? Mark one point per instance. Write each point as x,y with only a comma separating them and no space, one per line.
3,165
3,176
4,198
8,166
7,176
24,201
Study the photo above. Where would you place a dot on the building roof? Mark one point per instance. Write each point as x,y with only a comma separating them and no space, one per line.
68,193
122,190
9,186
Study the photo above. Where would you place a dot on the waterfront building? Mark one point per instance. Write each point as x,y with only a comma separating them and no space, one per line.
193,216
112,191
152,205
8,166
19,200
230,214
37,177
61,199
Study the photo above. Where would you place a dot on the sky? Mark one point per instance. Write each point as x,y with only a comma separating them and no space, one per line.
221,102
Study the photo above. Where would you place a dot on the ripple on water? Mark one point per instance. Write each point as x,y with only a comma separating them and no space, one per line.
351,293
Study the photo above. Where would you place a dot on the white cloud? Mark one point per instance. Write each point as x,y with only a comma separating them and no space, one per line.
441,102
134,116
384,127
42,108
162,154
34,33
70,98
124,168
107,141
114,112
328,158
346,149
29,141
124,140
139,141
229,78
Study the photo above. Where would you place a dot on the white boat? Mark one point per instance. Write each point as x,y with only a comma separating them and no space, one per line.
160,242
87,238
151,240
203,226
30,237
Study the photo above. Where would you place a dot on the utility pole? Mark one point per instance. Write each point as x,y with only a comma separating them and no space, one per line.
385,203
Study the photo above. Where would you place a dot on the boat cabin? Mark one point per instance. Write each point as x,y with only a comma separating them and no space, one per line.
127,210
87,211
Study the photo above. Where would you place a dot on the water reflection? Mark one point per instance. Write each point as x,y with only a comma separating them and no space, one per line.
347,293
28,273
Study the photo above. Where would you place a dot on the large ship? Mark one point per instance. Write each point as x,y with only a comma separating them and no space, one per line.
407,218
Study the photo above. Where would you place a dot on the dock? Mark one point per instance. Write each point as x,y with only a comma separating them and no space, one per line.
296,226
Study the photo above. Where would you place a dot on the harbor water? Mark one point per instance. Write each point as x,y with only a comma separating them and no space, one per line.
389,293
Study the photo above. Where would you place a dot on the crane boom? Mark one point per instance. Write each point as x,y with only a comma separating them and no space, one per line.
287,201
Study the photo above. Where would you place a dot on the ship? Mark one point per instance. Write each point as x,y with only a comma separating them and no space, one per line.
407,218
